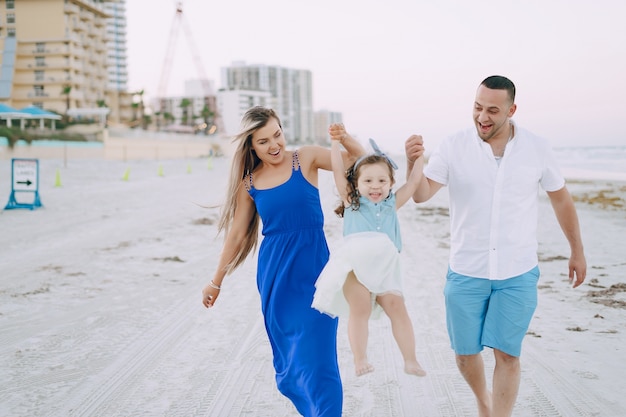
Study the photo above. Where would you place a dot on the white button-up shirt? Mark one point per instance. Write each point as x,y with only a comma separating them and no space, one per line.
493,207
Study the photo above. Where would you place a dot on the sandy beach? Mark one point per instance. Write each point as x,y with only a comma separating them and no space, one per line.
101,314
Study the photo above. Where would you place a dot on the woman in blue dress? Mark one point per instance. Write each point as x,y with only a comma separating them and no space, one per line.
278,187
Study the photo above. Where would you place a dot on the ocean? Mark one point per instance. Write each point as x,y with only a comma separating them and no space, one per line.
593,162
576,162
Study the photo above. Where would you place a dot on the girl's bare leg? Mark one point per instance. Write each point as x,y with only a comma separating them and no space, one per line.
358,298
402,329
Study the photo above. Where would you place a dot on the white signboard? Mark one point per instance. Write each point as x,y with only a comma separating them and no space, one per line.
25,174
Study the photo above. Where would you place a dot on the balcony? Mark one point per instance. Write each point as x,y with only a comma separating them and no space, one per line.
71,8
100,47
77,80
37,94
76,52
86,16
80,27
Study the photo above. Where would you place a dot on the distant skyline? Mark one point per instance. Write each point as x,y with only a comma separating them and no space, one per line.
403,66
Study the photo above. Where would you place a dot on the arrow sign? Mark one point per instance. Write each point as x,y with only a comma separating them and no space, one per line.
25,172
25,183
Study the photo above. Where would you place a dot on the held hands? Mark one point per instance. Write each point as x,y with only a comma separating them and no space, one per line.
337,132
414,148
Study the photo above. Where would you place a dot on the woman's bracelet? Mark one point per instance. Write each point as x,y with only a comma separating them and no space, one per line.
212,285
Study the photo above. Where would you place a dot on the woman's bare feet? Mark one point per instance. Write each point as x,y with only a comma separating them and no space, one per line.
363,367
414,368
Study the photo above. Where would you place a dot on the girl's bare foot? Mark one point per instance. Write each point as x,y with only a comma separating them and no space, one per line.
414,368
362,368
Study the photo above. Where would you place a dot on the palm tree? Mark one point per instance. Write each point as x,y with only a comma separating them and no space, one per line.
101,103
142,114
137,104
184,104
158,115
67,89
134,106
168,117
207,116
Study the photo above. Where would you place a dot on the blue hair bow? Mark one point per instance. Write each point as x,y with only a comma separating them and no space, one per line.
378,152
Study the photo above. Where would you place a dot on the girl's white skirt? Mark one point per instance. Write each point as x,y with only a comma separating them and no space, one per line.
376,264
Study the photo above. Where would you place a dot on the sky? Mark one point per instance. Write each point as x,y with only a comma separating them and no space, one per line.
399,67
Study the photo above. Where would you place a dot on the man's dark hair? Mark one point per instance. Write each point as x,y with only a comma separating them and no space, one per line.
498,82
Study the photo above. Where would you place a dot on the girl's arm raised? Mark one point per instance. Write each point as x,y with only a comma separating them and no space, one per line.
413,179
339,171
354,149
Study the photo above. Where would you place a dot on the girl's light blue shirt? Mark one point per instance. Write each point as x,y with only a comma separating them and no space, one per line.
374,217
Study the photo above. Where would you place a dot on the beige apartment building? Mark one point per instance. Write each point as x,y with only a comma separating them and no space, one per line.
54,56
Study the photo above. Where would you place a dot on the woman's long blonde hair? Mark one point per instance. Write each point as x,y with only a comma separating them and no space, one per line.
244,162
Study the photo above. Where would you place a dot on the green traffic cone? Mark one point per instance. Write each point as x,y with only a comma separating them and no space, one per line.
57,181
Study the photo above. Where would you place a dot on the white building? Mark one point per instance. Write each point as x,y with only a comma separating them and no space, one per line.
291,90
116,45
232,104
322,120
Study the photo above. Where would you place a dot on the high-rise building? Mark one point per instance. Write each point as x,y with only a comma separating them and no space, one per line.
291,91
116,45
323,119
56,56
232,105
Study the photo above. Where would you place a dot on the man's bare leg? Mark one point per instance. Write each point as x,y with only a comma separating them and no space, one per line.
506,380
473,370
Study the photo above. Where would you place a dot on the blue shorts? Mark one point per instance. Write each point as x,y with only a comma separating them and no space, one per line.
493,313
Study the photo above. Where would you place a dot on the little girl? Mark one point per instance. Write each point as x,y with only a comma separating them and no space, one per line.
364,274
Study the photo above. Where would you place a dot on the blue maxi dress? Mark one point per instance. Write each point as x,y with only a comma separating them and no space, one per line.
292,254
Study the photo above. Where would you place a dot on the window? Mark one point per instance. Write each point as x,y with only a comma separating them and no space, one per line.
10,17
40,47
39,75
11,32
40,61
10,4
39,91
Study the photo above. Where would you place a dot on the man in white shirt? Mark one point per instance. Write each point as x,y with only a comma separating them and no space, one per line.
493,172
